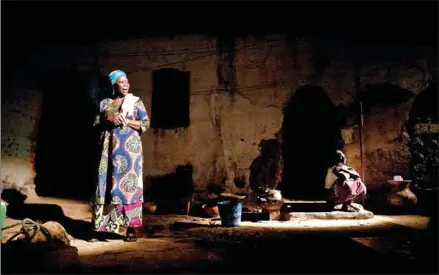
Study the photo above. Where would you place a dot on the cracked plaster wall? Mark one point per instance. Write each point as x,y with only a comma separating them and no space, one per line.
21,112
20,115
226,129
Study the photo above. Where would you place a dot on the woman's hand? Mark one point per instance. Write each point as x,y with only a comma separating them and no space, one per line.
117,120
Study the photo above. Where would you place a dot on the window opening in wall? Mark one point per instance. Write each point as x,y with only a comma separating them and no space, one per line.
424,142
170,99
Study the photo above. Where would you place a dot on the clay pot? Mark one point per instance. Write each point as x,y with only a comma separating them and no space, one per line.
212,211
150,206
401,196
273,209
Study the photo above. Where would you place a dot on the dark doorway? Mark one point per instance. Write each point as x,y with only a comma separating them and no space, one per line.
66,147
172,191
311,134
422,127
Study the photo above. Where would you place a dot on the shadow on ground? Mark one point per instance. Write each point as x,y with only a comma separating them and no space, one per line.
303,254
203,249
283,255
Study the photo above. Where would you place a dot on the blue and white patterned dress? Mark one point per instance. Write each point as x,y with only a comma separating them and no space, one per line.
120,170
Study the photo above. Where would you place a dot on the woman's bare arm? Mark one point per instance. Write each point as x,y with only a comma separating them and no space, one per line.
135,124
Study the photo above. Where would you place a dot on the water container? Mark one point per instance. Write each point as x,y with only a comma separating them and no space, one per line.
230,212
2,218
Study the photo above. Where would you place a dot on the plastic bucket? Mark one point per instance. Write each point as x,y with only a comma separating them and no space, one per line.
230,212
2,218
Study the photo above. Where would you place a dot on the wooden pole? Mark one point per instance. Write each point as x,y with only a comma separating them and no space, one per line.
361,139
361,118
357,80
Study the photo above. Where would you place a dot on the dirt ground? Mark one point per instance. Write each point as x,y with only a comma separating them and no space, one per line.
184,244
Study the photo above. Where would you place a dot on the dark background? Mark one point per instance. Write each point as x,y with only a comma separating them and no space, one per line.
31,27
28,26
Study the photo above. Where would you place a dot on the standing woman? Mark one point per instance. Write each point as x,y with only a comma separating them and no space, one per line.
119,195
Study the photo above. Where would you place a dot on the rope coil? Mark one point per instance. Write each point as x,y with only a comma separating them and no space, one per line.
29,229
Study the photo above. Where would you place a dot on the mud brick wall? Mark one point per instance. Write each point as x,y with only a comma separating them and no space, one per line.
228,123
226,127
20,116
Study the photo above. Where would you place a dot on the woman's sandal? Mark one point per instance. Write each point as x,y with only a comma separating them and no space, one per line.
350,208
130,237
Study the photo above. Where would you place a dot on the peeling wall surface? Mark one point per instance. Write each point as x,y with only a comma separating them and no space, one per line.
226,127
20,117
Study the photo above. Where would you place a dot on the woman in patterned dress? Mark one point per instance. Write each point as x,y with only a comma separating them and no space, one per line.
119,194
